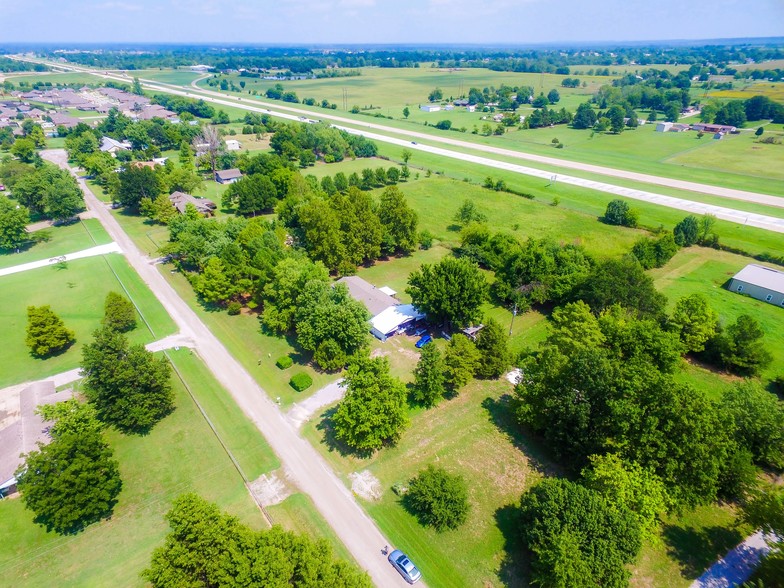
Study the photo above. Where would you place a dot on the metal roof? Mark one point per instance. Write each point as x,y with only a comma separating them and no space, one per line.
373,298
762,276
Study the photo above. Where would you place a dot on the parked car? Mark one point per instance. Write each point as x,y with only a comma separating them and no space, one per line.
405,566
423,341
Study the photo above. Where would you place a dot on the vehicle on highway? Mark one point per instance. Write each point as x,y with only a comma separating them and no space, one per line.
423,341
413,142
405,566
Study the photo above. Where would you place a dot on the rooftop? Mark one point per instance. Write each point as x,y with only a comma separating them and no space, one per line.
373,298
764,277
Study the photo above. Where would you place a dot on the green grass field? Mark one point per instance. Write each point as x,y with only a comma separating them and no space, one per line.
180,455
76,293
463,436
61,240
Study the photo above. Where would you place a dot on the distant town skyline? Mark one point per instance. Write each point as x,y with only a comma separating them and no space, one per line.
300,22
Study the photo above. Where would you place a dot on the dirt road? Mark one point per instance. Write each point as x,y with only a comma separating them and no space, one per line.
308,469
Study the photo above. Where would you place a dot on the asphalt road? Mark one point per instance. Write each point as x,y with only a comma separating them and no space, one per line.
308,469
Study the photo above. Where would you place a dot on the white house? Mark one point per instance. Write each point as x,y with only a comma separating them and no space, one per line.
390,320
112,146
430,107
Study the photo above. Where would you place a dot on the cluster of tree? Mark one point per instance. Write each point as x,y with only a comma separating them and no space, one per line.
46,333
206,547
437,374
181,105
127,386
277,92
737,112
72,481
570,82
506,97
618,212
544,117
346,230
655,252
44,190
368,179
532,272
321,141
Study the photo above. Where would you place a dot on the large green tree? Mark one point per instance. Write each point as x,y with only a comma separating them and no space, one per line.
206,547
373,411
740,347
429,376
129,388
119,313
282,293
46,332
136,183
73,481
451,291
492,344
13,223
758,416
562,522
251,195
438,498
619,212
399,221
462,360
624,282
694,321
328,313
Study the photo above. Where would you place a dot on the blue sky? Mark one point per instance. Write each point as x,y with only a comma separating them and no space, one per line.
385,21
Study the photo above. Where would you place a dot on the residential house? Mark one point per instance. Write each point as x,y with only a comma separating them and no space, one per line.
180,200
112,146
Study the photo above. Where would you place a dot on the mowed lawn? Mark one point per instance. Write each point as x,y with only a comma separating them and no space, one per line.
436,200
76,293
180,455
60,240
470,435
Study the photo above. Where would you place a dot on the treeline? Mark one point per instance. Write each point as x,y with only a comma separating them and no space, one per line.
319,141
302,60
11,65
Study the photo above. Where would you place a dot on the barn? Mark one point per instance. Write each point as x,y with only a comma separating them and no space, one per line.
760,282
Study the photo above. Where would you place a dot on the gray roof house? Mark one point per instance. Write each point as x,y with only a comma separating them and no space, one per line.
227,176
180,200
112,146
760,282
373,298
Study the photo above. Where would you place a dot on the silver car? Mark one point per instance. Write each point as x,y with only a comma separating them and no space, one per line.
405,566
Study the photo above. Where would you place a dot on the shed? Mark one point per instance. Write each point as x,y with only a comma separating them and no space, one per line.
233,145
430,107
391,319
760,282
663,127
228,176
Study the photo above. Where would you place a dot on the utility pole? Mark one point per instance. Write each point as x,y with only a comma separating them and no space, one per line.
514,314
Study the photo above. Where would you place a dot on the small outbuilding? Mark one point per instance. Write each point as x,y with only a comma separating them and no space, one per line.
760,282
430,107
228,176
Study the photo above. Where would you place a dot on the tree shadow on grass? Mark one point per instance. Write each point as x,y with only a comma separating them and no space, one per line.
501,413
697,549
514,570
332,442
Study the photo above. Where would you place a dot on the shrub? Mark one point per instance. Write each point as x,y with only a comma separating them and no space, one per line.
329,356
234,308
119,313
301,381
426,239
284,362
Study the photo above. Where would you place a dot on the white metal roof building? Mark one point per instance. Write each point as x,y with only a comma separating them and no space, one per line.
388,321
760,282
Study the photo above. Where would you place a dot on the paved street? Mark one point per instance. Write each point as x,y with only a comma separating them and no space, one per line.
91,252
308,469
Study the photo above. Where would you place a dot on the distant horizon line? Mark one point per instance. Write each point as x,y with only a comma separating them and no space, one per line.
421,45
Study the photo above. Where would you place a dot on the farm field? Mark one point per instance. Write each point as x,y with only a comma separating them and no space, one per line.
632,150
179,455
76,293
62,239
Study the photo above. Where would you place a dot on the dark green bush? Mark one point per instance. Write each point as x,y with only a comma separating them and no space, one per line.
234,308
284,362
301,381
